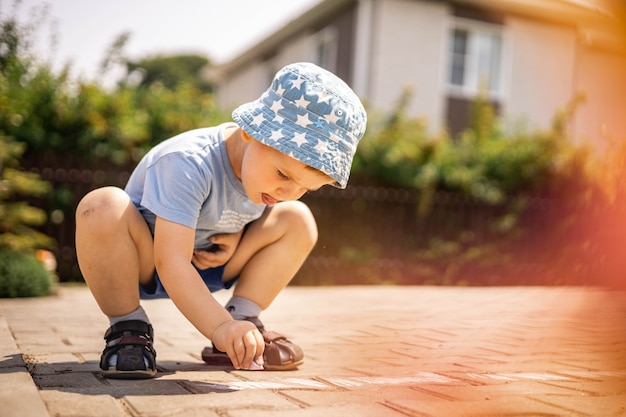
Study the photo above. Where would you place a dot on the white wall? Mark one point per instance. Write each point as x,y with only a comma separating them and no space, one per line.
541,70
245,86
409,49
601,77
407,46
249,83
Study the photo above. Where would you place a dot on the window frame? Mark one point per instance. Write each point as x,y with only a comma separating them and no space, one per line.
328,39
471,86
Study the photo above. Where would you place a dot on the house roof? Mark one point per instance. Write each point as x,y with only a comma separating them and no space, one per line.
599,22
267,46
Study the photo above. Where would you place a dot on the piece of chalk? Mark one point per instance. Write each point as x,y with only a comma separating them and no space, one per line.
256,366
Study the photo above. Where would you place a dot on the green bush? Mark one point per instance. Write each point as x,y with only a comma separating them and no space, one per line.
18,218
483,162
22,275
53,113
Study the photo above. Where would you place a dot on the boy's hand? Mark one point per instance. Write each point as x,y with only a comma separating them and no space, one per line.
241,341
223,248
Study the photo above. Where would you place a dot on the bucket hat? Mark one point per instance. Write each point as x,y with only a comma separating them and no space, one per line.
309,114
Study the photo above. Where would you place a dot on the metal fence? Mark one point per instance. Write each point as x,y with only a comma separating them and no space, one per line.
367,235
374,235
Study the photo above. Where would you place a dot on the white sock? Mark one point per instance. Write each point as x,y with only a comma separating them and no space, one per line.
240,308
138,314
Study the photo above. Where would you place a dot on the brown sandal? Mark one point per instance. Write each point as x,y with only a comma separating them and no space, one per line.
280,353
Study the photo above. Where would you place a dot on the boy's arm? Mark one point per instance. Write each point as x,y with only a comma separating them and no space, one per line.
173,251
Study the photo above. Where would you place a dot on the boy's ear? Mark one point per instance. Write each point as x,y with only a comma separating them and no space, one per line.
245,136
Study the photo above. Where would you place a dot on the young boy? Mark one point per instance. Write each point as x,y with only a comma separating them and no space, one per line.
217,206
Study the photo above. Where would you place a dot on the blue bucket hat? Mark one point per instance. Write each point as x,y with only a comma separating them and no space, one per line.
309,114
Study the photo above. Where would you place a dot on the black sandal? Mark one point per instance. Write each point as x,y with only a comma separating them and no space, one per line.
280,354
132,342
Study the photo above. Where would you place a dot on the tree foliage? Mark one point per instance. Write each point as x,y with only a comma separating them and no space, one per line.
49,117
53,113
483,162
17,216
170,71
22,275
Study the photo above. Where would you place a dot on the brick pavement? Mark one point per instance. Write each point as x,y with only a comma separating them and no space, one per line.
370,351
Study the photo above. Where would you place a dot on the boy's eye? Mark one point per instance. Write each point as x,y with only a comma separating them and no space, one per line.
282,175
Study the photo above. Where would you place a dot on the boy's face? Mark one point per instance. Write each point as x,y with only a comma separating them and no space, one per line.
269,176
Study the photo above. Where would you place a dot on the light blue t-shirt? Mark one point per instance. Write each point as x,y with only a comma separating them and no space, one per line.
188,180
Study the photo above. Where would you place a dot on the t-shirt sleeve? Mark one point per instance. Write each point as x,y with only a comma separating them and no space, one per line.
175,188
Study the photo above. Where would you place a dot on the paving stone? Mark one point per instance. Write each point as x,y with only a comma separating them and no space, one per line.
518,406
73,404
215,401
19,396
315,398
10,355
600,406
55,363
350,410
66,380
380,351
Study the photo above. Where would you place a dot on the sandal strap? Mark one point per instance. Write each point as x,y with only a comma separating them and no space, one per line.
271,336
280,353
132,338
134,327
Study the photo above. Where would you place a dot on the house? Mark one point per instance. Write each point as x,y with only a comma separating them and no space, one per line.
530,57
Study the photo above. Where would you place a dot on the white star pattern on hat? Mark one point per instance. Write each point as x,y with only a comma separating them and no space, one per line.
332,117
322,97
303,120
302,102
276,136
279,119
299,138
297,83
321,147
258,119
276,106
320,122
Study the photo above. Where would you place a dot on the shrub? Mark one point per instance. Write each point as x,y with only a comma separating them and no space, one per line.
22,275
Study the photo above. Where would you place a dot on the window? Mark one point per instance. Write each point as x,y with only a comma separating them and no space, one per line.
475,60
474,67
326,48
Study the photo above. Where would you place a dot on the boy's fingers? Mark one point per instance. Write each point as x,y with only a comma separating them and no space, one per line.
260,347
248,350
251,344
240,353
237,354
204,259
244,345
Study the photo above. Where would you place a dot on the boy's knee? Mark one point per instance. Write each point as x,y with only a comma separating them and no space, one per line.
299,221
100,206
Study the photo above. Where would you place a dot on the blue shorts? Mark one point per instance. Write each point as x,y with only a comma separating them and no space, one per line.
212,277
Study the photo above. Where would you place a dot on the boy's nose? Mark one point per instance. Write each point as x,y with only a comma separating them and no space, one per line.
290,193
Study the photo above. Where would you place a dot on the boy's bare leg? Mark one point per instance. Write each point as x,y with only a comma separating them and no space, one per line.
271,251
114,249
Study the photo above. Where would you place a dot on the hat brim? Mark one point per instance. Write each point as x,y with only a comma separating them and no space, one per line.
281,133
